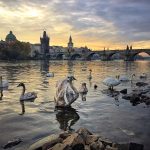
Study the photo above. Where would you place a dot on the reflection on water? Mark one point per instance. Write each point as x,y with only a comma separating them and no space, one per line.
1,94
66,118
104,113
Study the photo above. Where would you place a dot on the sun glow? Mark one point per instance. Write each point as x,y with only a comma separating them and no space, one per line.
32,12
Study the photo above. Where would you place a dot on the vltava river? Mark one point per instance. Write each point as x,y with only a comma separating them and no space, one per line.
112,118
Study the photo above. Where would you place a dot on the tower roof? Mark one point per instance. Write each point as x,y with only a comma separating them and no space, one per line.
10,37
70,39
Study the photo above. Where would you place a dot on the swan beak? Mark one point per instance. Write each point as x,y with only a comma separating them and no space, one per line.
74,78
18,85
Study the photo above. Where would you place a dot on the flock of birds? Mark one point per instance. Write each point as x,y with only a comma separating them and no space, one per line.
66,93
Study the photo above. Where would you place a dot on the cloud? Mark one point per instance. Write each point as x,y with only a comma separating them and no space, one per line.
118,21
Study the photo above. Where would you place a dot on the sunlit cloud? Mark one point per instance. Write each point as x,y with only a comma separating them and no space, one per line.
97,24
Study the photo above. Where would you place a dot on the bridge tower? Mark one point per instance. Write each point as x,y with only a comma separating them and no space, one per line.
70,45
127,56
45,45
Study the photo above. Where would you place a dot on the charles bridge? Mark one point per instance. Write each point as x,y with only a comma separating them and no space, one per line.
105,55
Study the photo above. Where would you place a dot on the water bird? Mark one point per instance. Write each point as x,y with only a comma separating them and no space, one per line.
3,83
83,91
66,93
90,74
50,74
95,86
123,78
30,96
143,76
83,88
111,82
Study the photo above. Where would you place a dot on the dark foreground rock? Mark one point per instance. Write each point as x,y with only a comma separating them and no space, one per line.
12,143
82,139
138,96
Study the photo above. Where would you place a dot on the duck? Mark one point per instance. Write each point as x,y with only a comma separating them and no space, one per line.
30,96
66,93
143,76
90,75
111,82
50,74
83,89
95,87
3,83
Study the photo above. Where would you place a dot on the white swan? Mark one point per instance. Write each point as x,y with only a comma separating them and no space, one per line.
123,78
143,76
3,83
50,74
66,93
111,82
30,96
90,75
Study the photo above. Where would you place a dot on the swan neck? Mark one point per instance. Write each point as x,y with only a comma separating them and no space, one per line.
23,90
0,80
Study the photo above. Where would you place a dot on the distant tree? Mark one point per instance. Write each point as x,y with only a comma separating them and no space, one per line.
17,50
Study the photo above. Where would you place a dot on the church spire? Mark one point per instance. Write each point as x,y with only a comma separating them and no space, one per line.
70,44
70,39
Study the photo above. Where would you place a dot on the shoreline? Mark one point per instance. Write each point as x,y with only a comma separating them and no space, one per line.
82,139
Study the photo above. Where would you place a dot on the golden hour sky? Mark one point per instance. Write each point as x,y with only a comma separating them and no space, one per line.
95,23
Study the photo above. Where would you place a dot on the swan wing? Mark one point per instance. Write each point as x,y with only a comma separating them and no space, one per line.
70,95
4,84
28,96
111,81
123,78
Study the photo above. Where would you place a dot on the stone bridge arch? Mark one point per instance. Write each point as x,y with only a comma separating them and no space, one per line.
75,56
90,56
59,56
109,56
132,56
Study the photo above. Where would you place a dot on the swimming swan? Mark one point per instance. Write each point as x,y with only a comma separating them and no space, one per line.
30,96
3,83
143,76
50,74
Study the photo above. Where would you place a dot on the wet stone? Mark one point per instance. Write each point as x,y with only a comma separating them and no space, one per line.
110,148
91,138
97,146
83,132
64,135
46,142
78,147
73,140
106,142
60,146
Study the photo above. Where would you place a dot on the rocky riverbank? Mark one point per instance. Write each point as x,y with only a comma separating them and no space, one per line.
138,96
82,139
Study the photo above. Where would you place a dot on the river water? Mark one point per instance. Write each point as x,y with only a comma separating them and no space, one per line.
116,119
